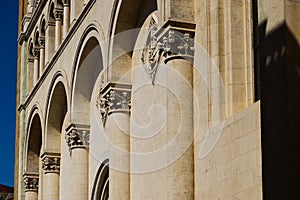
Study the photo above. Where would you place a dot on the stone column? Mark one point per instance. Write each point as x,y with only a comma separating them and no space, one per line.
31,183
29,74
36,54
51,167
58,18
181,113
114,106
66,17
168,61
77,138
42,55
49,41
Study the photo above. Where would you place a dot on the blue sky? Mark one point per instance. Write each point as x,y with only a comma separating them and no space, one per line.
8,56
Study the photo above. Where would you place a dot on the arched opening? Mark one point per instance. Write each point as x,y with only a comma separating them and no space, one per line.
89,66
51,158
101,184
55,119
128,17
32,169
34,144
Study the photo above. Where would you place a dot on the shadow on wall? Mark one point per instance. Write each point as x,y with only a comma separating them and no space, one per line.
279,70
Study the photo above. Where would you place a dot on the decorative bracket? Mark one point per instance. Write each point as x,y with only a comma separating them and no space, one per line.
114,98
77,136
31,182
172,39
51,162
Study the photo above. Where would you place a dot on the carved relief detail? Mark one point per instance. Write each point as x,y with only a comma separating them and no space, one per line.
51,162
113,98
31,182
77,136
173,39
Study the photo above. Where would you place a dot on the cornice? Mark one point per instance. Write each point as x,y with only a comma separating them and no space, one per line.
57,54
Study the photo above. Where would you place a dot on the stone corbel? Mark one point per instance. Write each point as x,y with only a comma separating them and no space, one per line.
51,162
114,98
31,182
77,136
172,40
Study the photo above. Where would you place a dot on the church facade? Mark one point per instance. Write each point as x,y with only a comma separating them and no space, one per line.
157,99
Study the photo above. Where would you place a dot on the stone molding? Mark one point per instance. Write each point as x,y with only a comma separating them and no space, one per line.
114,98
31,182
77,136
51,162
173,39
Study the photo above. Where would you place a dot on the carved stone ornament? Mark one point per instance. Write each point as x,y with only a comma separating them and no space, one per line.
41,41
51,162
114,98
172,39
30,5
77,136
31,182
36,53
58,14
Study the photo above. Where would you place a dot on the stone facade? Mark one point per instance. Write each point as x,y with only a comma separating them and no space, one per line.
146,99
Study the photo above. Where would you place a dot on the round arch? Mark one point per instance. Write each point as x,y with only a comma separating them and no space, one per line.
42,26
100,189
88,65
56,110
33,141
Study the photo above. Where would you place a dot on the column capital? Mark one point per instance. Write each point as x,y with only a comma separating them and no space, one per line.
77,136
66,3
114,98
36,52
41,41
172,40
31,181
51,162
58,14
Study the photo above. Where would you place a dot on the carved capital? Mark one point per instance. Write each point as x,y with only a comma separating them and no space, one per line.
114,98
36,53
77,136
66,2
51,162
173,39
41,41
58,14
31,182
